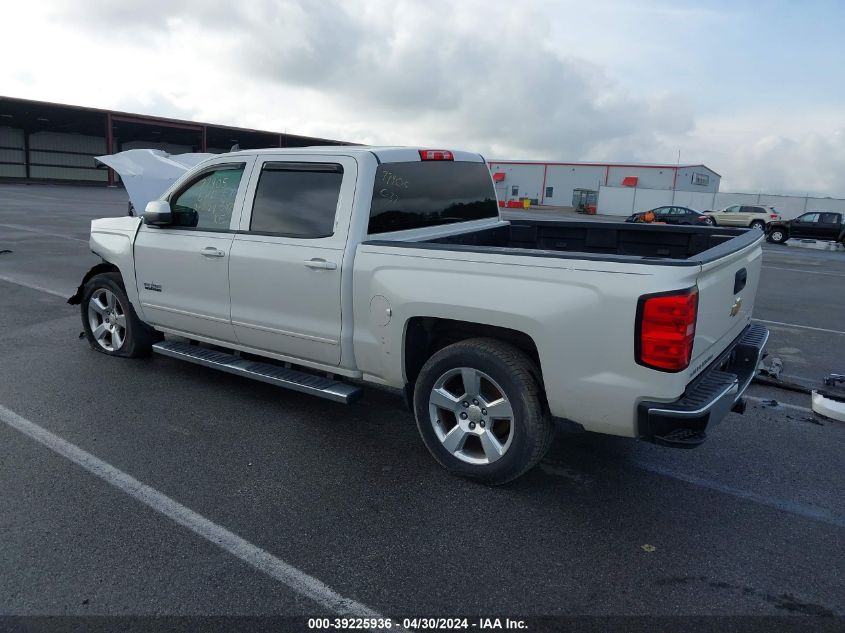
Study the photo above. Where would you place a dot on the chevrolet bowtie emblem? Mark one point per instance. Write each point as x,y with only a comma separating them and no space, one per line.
736,307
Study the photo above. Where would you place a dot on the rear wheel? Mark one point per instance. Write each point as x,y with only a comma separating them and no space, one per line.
758,224
480,412
778,236
110,323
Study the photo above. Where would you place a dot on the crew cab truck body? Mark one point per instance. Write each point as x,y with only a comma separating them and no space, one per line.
320,268
815,225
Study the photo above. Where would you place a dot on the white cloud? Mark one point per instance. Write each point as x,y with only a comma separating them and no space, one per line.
487,75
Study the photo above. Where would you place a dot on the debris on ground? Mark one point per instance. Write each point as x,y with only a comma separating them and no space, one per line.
773,370
832,379
770,376
648,548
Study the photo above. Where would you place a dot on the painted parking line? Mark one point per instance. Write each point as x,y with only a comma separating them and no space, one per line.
295,579
805,510
26,284
800,327
19,227
799,270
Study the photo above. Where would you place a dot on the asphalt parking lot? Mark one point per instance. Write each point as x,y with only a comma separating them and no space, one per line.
751,523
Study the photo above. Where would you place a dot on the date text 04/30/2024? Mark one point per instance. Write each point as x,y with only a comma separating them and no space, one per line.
418,623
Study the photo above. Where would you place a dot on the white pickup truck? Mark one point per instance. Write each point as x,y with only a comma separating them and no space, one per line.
319,269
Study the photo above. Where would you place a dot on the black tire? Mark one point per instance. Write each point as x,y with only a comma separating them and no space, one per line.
758,224
778,235
713,221
138,337
531,428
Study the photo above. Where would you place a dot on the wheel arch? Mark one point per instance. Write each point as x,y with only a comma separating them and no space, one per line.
425,336
102,267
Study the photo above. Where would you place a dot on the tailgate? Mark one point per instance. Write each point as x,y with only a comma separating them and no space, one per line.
727,288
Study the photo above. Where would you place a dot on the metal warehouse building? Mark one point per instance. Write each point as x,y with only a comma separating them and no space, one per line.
568,184
42,141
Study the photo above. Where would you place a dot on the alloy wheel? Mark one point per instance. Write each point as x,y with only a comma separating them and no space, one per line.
471,416
107,319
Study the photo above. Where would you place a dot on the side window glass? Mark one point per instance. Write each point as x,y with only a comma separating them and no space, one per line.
829,218
297,199
208,202
809,218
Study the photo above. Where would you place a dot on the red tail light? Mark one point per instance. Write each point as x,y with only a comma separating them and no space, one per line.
436,154
666,330
774,216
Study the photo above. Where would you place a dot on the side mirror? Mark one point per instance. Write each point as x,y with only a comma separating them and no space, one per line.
157,213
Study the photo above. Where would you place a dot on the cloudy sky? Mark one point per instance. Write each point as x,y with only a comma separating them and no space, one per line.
756,89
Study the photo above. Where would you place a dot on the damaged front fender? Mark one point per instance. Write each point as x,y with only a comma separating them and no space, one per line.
104,267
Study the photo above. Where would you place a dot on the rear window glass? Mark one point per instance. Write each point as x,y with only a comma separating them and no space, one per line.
429,193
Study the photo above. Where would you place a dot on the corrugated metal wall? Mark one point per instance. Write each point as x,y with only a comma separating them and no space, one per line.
12,154
62,156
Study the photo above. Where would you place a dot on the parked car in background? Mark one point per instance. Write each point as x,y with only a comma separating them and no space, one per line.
817,225
672,215
753,216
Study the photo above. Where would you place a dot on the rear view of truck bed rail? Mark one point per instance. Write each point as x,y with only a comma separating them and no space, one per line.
663,245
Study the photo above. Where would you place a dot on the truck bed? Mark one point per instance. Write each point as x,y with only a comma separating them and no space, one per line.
659,244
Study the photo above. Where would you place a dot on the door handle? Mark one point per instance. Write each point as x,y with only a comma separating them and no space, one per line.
210,251
320,264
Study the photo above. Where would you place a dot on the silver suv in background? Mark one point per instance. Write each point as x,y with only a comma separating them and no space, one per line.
746,215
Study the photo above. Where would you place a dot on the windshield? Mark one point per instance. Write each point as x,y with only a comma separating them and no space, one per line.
430,193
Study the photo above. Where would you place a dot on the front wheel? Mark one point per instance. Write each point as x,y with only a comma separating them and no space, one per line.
708,221
110,323
480,412
778,236
758,224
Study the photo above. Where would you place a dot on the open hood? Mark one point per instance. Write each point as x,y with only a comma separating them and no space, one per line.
147,173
